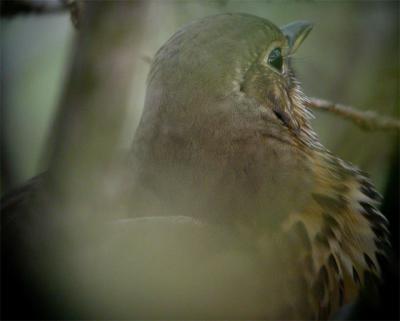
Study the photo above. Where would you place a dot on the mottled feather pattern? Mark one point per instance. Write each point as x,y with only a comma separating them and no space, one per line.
351,225
346,234
344,228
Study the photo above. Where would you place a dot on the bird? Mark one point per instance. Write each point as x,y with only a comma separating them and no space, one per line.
226,119
254,216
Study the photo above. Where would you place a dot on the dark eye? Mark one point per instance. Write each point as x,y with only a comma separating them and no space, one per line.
275,59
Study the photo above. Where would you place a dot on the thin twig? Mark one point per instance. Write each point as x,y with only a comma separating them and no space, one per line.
12,8
367,120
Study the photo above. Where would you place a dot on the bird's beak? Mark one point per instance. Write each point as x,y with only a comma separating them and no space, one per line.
295,33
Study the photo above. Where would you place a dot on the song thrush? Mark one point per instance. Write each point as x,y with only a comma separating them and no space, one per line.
225,137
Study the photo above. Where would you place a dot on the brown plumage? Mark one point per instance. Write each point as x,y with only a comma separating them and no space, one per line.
278,177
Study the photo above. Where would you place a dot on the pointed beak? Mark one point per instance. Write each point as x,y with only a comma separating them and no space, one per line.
295,33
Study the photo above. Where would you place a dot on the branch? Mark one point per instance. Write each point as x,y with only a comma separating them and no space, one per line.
12,8
93,106
367,120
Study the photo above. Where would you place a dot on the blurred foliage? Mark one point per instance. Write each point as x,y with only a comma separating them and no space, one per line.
351,56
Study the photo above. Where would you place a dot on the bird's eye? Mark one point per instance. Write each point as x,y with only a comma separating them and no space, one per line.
275,59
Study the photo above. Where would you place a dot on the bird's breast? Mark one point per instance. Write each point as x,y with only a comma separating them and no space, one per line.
227,168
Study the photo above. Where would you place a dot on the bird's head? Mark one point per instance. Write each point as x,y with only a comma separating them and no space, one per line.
230,55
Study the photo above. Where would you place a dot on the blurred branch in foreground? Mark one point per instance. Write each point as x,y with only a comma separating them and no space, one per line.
367,120
95,99
48,225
